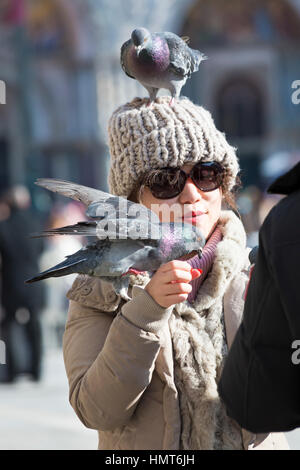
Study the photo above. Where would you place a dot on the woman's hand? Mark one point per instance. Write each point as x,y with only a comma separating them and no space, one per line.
170,284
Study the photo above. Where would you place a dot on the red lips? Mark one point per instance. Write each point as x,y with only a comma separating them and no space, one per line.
193,214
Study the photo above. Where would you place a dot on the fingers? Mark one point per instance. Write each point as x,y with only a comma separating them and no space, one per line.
175,264
194,273
171,282
178,275
175,299
177,288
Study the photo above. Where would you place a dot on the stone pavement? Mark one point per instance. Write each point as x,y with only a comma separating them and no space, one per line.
38,416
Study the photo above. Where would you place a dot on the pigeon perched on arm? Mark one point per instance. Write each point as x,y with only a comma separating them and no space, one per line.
123,242
159,60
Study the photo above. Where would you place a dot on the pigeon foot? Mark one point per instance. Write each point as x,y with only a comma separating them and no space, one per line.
133,271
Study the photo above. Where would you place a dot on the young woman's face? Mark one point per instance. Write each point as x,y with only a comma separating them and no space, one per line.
191,199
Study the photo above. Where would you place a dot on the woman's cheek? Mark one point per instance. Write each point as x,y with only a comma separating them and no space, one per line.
209,221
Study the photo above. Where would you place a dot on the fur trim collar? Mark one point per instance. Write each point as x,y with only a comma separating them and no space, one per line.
229,260
199,345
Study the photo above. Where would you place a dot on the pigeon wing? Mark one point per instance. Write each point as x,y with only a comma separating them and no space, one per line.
85,228
113,214
123,57
114,229
123,225
75,191
183,60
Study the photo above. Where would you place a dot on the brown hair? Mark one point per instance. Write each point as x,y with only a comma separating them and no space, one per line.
230,196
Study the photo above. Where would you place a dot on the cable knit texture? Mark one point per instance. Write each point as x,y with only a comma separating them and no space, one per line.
142,138
205,262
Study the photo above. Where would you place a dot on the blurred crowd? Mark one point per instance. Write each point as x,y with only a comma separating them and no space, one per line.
32,315
254,205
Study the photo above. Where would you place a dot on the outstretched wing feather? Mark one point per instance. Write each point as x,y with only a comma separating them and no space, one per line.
113,211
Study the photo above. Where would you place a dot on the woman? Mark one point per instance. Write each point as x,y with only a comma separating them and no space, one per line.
144,372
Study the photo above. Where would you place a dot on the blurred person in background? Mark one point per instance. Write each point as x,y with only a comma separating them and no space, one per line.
21,304
57,248
249,201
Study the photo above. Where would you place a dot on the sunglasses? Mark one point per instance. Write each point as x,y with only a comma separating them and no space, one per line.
167,183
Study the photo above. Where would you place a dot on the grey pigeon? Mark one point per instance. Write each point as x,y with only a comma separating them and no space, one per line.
159,60
126,237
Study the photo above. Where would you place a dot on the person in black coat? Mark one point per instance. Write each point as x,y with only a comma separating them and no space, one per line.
260,383
19,259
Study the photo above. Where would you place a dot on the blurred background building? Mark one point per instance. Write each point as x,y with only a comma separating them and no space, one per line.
60,64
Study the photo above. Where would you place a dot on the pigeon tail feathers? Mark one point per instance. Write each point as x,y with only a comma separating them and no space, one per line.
61,269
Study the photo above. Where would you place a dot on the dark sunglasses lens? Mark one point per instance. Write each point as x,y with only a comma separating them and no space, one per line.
207,176
166,183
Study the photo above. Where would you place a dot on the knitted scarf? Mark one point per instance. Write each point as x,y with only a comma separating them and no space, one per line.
199,346
205,262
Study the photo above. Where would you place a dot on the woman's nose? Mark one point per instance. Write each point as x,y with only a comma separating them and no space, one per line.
190,192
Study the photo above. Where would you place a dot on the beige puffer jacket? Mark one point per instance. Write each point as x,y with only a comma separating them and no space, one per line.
119,354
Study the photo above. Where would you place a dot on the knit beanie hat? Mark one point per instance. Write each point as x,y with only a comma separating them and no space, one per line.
144,138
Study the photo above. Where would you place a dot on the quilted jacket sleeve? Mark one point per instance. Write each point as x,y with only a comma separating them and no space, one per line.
110,347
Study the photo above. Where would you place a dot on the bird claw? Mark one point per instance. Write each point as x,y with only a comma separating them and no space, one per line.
121,287
171,102
123,293
133,271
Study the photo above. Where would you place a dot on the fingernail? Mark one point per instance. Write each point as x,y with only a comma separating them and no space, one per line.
200,271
